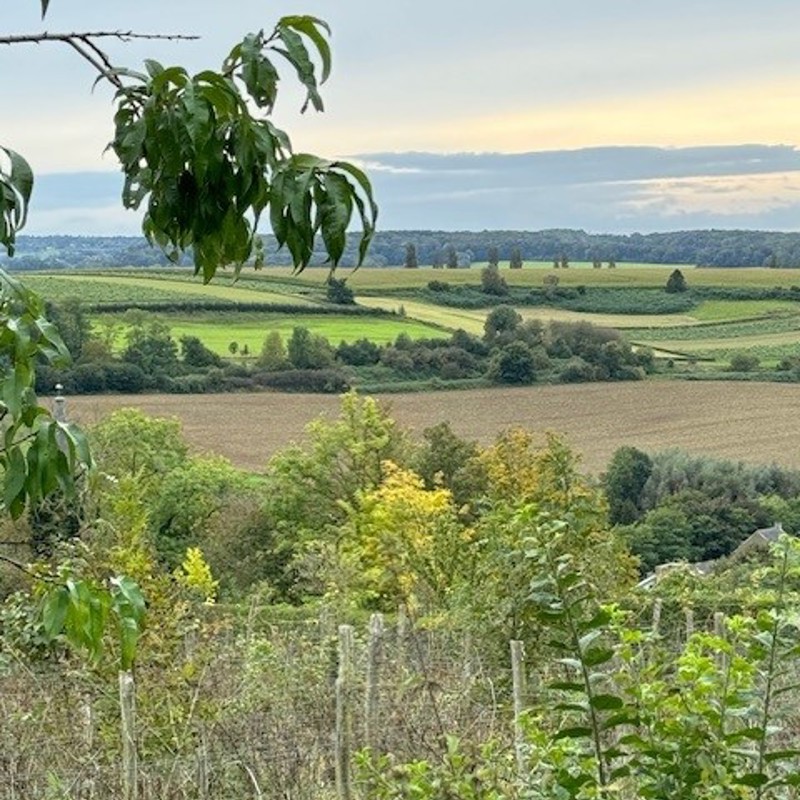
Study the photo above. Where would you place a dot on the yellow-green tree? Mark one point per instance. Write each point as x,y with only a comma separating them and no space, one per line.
402,544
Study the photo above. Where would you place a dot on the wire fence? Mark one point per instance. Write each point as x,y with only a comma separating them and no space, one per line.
276,712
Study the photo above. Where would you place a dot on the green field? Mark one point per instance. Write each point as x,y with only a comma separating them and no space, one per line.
713,329
218,331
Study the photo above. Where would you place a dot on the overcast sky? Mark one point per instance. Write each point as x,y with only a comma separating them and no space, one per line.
692,80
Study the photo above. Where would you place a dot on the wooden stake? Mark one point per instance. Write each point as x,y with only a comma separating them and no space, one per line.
518,681
344,713
130,761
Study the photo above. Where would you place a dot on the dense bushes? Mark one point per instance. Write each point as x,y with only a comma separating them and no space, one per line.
677,506
512,350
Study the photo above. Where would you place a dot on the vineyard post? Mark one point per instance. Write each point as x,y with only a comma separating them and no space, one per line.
202,765
657,615
130,765
374,659
719,630
402,637
518,683
344,712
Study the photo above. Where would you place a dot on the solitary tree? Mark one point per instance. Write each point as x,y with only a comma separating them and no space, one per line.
411,256
493,256
450,257
676,282
492,282
515,262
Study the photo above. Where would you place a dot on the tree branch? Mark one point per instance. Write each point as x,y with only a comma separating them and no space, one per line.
84,43
23,568
123,36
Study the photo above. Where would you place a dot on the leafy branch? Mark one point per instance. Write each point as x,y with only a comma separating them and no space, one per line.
202,158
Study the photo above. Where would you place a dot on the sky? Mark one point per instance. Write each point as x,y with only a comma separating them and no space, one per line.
614,116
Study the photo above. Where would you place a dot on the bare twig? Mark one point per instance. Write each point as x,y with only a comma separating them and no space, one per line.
85,44
124,36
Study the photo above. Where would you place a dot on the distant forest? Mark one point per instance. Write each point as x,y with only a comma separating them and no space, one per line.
711,248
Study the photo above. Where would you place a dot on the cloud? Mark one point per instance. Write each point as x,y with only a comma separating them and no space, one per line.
605,189
614,189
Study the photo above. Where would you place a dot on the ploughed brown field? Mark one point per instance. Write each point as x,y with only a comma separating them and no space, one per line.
754,422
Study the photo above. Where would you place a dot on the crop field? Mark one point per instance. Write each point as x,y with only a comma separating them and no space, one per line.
643,275
93,288
753,422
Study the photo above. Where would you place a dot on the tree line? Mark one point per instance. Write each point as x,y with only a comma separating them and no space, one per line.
713,248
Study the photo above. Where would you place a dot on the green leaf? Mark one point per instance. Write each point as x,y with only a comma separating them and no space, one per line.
16,186
16,474
566,686
297,55
310,26
576,732
780,755
606,702
597,655
54,611
754,779
577,706
336,208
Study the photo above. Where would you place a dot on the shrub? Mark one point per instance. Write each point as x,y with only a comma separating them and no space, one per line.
86,379
124,378
577,371
326,381
337,291
492,282
676,283
744,362
514,363
195,354
358,353
309,351
502,319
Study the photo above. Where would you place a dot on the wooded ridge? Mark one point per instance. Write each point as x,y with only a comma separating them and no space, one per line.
716,248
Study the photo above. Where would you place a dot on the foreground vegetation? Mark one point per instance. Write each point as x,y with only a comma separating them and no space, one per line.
664,693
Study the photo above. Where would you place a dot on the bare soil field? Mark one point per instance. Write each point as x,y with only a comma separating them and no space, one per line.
754,422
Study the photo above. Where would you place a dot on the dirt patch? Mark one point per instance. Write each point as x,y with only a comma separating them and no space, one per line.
754,422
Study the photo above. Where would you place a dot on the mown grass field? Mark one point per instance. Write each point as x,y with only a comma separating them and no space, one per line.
753,422
251,330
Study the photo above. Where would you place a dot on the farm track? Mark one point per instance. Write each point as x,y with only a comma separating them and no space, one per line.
753,422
